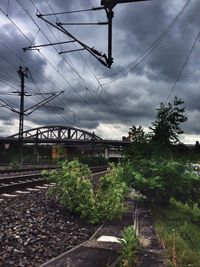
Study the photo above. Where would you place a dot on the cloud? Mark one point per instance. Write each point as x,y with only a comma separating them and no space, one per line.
131,99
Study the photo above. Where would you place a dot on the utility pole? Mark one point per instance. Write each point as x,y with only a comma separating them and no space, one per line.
107,5
22,74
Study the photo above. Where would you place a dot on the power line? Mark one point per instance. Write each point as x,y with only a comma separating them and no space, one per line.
83,80
53,65
70,65
15,25
74,11
20,29
147,51
182,68
4,73
74,71
76,91
13,52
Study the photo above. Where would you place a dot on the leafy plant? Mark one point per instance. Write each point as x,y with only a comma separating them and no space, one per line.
74,189
160,179
190,209
111,192
166,127
130,247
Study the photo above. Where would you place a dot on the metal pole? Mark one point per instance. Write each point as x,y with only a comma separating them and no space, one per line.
110,15
22,74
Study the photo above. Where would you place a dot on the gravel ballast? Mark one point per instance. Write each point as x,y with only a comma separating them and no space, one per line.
35,228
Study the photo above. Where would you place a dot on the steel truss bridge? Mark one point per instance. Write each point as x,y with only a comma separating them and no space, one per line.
68,136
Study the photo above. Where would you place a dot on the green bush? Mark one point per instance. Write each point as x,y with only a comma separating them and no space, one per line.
74,189
189,209
159,179
111,192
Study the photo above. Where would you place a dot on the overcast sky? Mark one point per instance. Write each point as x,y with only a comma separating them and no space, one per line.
156,56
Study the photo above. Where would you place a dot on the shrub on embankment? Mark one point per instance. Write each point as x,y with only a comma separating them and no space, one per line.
75,190
160,178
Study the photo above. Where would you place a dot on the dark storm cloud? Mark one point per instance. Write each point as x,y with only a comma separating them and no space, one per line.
15,57
11,59
145,22
131,99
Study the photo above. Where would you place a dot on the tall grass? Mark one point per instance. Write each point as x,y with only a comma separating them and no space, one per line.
179,229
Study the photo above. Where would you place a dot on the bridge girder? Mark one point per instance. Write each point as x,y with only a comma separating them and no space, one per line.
58,133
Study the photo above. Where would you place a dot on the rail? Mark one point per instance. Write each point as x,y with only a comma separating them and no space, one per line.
22,181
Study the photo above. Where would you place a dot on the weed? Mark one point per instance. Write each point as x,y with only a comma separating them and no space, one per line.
180,233
130,246
74,189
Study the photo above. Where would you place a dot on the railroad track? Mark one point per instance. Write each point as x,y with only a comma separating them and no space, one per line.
20,180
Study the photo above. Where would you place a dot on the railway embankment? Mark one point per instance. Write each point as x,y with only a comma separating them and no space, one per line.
37,230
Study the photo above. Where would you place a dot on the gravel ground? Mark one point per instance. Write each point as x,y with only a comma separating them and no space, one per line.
35,228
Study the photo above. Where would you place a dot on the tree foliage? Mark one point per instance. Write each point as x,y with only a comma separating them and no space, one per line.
152,166
75,190
137,134
166,127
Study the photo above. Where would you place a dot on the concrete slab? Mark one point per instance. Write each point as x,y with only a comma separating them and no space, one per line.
86,257
105,245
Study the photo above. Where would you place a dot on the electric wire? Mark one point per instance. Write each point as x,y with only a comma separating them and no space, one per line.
60,73
9,80
19,31
74,11
10,77
115,111
182,68
6,83
52,64
63,58
15,25
83,80
42,93
46,79
147,51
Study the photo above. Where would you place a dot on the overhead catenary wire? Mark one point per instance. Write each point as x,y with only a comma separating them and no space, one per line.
70,65
146,52
74,11
51,64
77,92
182,68
42,93
113,106
10,77
44,77
16,66
18,27
7,79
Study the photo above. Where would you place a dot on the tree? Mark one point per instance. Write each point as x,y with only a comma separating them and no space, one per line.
166,127
197,147
137,134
